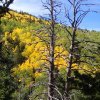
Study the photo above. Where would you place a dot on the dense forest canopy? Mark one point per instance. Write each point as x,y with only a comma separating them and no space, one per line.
37,55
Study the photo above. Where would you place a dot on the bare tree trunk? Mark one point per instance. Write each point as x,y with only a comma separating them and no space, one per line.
77,15
51,71
52,46
68,74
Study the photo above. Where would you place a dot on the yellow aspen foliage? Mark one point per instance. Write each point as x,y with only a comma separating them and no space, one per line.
6,35
85,68
75,66
60,57
37,20
36,52
37,74
28,50
17,32
25,66
23,21
60,63
15,49
47,22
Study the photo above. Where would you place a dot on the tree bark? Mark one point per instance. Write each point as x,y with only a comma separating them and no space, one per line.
68,74
52,46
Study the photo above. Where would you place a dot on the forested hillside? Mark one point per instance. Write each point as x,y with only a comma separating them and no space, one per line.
24,59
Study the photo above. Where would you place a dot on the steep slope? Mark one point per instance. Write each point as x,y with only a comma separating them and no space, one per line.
26,43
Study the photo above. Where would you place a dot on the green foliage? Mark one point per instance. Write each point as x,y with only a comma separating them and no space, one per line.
88,85
21,68
7,83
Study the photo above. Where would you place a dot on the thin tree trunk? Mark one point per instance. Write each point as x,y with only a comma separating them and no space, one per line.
52,46
68,74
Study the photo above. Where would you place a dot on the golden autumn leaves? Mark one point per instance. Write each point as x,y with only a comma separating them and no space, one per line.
35,52
35,49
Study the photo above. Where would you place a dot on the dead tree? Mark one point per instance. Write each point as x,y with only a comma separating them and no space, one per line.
52,46
51,6
75,17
